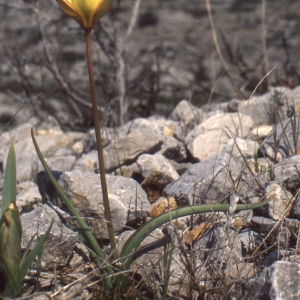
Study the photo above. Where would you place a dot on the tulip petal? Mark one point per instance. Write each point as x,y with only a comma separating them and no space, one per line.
104,7
85,12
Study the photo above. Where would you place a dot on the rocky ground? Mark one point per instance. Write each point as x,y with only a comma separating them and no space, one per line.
156,164
226,150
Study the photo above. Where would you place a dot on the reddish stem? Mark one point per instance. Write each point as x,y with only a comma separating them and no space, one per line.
99,143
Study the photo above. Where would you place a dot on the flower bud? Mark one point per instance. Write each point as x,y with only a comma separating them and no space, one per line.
86,12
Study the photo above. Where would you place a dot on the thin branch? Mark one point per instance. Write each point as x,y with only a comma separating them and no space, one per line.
264,39
235,90
55,70
121,72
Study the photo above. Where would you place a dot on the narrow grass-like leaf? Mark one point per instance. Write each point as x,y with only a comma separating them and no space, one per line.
10,229
284,134
9,186
136,238
13,285
11,236
10,250
27,260
27,250
10,286
84,227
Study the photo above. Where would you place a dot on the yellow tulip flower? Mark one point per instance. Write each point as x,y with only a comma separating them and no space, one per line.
86,12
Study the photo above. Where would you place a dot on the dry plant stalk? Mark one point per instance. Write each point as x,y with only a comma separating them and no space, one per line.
234,88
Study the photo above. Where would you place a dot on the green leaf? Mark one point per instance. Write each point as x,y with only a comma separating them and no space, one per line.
10,182
28,259
10,238
136,238
13,286
10,250
85,229
10,229
27,250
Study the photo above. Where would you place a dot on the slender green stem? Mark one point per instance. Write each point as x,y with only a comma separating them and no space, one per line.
99,144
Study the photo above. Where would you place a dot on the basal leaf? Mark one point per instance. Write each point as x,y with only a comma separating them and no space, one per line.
9,187
92,242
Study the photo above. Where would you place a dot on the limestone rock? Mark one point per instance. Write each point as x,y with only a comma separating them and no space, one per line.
247,147
284,142
157,163
286,172
59,247
280,235
204,182
125,150
87,163
187,114
128,201
281,203
29,198
279,281
212,135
